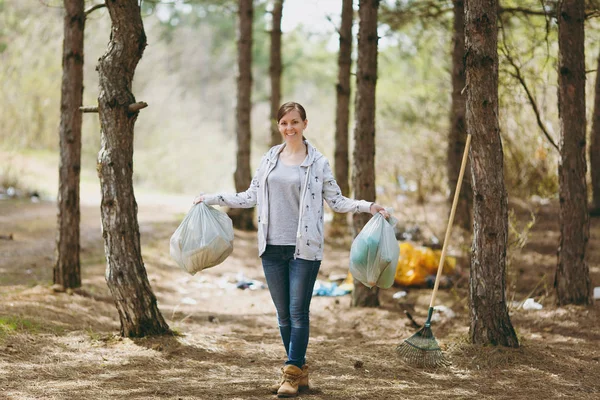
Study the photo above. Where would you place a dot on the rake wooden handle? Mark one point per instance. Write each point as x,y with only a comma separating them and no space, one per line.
450,220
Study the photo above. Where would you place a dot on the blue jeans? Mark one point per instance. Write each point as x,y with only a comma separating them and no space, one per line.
291,283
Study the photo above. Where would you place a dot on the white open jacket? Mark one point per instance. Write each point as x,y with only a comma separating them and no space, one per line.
318,185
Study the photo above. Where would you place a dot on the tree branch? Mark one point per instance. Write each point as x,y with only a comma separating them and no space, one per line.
132,108
519,77
135,107
89,109
521,10
94,8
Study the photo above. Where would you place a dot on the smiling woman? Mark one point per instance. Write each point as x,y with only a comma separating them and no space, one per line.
289,188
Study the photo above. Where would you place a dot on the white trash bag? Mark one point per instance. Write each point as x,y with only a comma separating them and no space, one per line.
204,239
374,253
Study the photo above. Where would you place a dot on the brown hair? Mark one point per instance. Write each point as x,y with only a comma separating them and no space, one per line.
291,106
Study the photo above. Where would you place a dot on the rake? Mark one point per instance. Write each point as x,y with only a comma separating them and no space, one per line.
421,349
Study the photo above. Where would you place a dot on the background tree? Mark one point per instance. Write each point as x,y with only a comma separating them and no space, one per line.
339,224
126,276
594,150
67,269
490,322
458,131
572,282
243,217
364,131
275,69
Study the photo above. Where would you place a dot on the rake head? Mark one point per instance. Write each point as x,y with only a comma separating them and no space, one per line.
422,350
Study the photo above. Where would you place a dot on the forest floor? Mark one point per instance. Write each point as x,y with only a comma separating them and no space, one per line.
66,346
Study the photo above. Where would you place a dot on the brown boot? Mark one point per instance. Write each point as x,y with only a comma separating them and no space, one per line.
275,387
302,385
291,379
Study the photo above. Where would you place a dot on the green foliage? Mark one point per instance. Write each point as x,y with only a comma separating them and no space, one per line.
188,78
413,100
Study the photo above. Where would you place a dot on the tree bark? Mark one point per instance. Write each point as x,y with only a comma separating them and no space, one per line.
573,285
458,133
490,322
67,270
594,150
364,131
275,70
339,225
243,217
125,275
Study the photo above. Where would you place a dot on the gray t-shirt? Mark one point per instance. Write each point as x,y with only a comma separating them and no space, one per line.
283,184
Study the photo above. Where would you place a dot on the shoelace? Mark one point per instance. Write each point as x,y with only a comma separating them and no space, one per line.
291,378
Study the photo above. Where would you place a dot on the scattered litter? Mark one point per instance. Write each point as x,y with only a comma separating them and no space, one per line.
529,304
440,311
417,266
337,277
540,200
188,300
331,289
399,295
247,283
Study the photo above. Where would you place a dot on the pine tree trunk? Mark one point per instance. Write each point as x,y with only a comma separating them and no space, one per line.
67,272
243,217
458,132
594,150
490,322
573,285
364,131
275,70
125,275
339,225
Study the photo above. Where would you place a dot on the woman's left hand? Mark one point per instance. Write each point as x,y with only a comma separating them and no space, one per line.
376,208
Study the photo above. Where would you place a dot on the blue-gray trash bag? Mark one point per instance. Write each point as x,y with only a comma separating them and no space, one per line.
374,253
204,239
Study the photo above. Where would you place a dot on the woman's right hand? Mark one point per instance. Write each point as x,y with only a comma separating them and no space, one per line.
199,199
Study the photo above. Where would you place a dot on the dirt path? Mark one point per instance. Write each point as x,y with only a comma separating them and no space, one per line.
60,346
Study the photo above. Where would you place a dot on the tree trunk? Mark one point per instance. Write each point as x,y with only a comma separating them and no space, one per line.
339,225
458,132
364,131
67,272
595,148
573,285
243,217
125,275
275,70
490,322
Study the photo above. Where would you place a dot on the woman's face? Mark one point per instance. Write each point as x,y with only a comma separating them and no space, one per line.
291,126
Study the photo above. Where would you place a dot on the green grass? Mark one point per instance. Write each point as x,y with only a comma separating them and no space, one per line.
14,324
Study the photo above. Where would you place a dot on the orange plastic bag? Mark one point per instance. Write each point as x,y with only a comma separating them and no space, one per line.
415,264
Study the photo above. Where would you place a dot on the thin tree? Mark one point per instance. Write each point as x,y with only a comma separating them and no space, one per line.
275,69
126,276
342,113
364,132
490,322
594,150
67,269
457,134
573,285
243,217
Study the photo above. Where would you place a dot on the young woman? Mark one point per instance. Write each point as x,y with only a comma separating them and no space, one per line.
288,189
